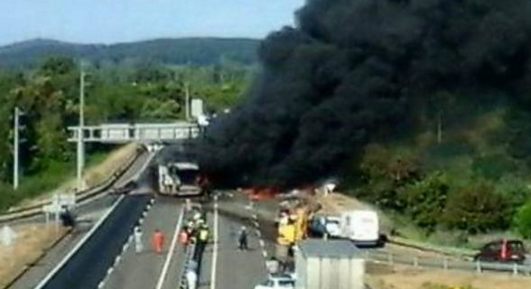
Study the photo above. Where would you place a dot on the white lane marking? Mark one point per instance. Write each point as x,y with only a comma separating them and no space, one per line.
264,253
102,283
167,263
79,245
256,224
258,233
117,260
262,243
126,245
109,271
255,216
215,247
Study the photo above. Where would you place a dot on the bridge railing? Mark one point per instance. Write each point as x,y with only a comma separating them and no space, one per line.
120,133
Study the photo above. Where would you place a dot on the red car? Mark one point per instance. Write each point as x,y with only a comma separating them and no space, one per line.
504,251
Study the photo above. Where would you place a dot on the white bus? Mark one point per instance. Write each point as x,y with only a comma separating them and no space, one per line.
361,226
179,179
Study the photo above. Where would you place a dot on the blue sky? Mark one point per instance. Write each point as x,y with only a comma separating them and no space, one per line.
111,21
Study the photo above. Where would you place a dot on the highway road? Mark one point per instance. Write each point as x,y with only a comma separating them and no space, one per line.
147,269
87,267
89,213
224,266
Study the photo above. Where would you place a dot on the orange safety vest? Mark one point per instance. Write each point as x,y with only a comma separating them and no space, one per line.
158,242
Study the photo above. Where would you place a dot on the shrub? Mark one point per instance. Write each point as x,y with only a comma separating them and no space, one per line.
425,200
476,208
522,221
493,166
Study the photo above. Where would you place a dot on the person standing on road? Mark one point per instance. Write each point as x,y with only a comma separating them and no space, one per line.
158,241
203,238
242,239
191,279
139,246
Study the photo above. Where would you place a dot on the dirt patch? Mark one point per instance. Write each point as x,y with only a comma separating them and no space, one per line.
398,277
31,243
115,161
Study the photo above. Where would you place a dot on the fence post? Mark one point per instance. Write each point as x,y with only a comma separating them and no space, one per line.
515,269
415,261
478,266
390,258
445,264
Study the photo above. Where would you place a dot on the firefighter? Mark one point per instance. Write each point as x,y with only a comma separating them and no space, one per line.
204,233
242,239
158,241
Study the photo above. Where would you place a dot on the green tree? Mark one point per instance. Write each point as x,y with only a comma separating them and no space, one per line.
425,200
522,220
476,208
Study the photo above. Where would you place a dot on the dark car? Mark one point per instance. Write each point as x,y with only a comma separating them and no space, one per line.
127,188
505,251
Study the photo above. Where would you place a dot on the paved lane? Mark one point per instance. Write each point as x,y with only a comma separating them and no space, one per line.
89,214
235,269
142,271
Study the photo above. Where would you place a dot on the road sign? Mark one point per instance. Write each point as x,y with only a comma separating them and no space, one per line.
68,200
7,236
197,107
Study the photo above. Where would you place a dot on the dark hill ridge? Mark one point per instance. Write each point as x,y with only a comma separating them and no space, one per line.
200,51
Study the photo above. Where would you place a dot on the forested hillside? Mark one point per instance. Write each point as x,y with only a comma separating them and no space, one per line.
49,98
195,51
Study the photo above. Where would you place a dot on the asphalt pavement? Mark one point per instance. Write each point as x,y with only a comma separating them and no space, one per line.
88,214
235,269
145,270
88,266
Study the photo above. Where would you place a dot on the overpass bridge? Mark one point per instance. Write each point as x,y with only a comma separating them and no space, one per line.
152,135
146,133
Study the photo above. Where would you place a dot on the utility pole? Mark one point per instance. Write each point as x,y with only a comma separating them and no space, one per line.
80,141
187,100
16,143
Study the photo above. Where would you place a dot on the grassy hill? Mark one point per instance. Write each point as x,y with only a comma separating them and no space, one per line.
199,51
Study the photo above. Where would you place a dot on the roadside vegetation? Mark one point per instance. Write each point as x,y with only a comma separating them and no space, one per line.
48,95
454,184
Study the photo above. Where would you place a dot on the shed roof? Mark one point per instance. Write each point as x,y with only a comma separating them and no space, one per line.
335,249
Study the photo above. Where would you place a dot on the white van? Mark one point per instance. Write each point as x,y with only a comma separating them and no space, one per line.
361,226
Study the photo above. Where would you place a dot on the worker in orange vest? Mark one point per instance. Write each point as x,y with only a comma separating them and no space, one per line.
158,241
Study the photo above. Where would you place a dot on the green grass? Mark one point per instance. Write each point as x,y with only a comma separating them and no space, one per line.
47,180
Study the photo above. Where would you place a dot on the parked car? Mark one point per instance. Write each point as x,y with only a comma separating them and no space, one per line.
277,282
511,251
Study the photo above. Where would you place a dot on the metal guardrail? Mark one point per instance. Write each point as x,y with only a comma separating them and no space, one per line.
446,263
189,252
34,210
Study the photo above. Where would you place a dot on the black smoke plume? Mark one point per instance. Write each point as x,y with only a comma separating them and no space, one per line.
354,71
